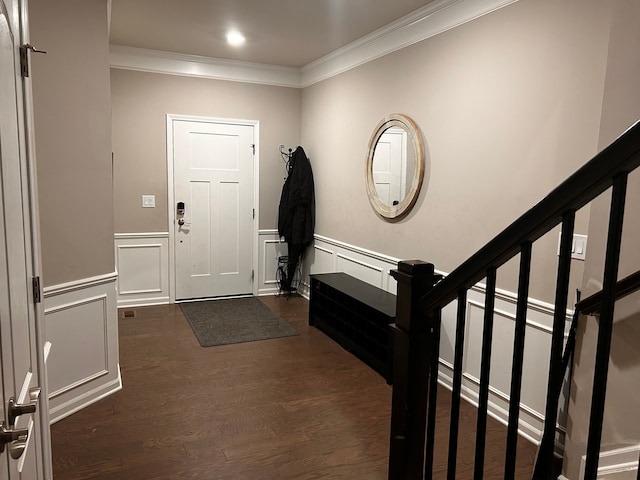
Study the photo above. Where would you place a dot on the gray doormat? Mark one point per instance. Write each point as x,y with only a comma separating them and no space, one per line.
236,320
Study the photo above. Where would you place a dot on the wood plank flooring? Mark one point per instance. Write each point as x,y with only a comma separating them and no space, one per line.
291,408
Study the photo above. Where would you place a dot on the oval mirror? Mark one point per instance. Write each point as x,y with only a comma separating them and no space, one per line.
395,166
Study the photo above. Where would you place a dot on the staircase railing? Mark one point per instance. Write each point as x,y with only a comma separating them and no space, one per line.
422,296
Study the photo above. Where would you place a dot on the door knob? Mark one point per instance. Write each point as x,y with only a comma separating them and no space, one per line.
8,435
14,409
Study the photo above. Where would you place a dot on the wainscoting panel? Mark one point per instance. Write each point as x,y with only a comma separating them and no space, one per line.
81,326
142,263
329,255
362,270
536,355
270,248
618,464
89,358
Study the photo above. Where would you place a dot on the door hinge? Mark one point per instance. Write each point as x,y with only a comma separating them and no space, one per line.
37,292
24,58
253,146
253,213
253,274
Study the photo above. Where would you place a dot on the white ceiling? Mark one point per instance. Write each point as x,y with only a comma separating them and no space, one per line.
290,33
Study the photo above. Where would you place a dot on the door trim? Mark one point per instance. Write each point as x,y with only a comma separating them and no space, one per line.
171,200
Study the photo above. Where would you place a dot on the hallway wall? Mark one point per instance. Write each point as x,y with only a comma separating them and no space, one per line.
72,119
140,103
509,105
621,108
73,138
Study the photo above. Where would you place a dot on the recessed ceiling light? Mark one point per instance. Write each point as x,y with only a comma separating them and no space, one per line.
235,38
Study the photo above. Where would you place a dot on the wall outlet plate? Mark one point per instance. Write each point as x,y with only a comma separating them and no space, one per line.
578,246
148,201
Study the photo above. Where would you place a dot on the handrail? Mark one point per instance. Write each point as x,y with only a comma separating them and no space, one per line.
593,178
624,287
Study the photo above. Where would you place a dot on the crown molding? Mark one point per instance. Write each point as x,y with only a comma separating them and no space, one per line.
435,18
145,60
426,22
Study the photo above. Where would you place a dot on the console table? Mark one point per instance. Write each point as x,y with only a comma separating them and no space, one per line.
357,315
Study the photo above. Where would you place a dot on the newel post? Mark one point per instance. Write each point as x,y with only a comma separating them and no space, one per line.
410,371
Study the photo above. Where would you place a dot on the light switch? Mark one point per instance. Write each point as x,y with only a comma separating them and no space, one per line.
578,246
148,201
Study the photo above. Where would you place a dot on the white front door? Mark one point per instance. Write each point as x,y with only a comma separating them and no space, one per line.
22,456
213,193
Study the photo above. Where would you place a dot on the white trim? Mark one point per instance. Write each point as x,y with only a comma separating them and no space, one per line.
171,200
434,18
65,302
353,248
128,236
131,255
155,61
271,246
79,284
426,22
512,316
532,303
82,401
624,459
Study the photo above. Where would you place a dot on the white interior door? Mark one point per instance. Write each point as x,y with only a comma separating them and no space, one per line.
21,458
213,182
389,166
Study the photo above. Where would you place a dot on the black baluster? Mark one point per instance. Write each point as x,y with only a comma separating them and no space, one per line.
610,277
518,356
544,464
457,385
434,348
485,368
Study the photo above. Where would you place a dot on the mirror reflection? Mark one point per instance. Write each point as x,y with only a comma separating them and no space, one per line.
392,166
395,166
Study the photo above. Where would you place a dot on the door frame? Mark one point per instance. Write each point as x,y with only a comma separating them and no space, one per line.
19,21
171,118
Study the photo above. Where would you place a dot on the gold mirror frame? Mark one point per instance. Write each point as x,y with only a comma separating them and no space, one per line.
415,139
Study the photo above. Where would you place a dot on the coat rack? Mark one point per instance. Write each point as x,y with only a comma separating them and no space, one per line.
286,157
281,148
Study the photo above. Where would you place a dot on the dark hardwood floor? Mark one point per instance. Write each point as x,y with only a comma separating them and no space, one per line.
291,408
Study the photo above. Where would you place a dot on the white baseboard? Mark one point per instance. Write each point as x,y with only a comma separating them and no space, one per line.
65,409
81,330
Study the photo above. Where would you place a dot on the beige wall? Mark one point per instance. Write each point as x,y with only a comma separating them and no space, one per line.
621,108
509,105
73,138
140,104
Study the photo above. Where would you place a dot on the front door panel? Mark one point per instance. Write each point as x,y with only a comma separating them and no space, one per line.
213,177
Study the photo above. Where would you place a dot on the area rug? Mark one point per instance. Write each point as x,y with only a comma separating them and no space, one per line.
237,320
